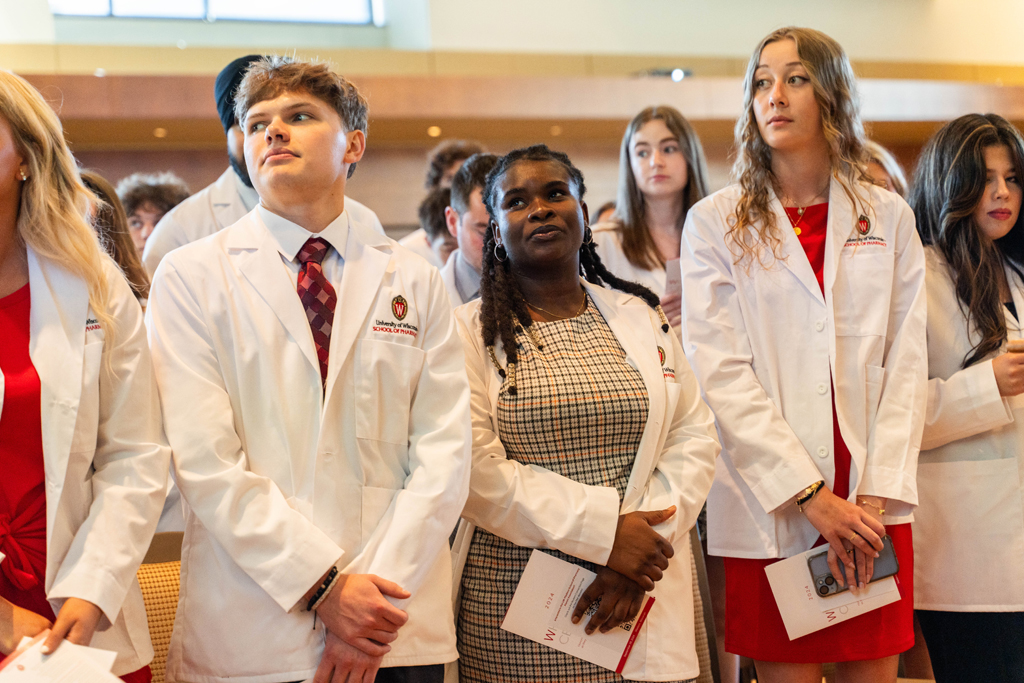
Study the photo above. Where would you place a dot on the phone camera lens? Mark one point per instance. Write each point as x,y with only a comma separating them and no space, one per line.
829,580
823,590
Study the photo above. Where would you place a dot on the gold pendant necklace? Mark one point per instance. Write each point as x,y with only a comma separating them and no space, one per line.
583,307
799,217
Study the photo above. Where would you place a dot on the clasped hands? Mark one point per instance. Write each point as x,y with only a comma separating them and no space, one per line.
638,559
846,526
361,624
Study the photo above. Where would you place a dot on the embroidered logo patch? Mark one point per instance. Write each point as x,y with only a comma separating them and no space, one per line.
863,224
400,307
661,355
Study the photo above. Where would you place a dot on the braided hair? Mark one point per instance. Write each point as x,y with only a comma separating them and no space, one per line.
502,305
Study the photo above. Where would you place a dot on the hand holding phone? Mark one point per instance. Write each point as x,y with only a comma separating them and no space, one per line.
886,564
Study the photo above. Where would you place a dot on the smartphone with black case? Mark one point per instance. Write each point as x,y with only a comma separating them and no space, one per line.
886,564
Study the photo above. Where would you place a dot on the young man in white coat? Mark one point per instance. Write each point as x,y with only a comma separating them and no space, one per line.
318,407
467,220
231,196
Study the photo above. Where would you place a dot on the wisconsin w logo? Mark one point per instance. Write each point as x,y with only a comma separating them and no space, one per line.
400,307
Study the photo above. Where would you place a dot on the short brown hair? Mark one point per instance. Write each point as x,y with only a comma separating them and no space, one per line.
431,212
273,75
444,155
163,190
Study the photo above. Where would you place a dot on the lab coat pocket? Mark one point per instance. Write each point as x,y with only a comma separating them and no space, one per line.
386,378
87,422
376,502
969,535
875,376
861,293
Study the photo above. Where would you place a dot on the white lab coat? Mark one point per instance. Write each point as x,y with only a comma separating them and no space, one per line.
212,209
448,278
768,348
418,243
608,242
537,508
969,527
282,479
104,452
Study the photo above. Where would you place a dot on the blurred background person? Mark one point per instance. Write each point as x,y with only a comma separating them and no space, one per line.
146,197
662,173
81,477
443,163
885,170
111,226
604,213
229,197
969,525
432,223
467,220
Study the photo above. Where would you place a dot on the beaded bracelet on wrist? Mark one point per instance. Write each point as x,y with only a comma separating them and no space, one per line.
321,592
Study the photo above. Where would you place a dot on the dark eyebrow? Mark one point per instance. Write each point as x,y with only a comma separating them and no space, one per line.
290,107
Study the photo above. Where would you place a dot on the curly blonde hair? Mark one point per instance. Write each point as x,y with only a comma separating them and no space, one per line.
752,232
52,218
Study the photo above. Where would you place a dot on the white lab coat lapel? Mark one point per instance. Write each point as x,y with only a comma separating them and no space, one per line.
226,202
792,254
261,266
56,347
841,224
630,321
365,265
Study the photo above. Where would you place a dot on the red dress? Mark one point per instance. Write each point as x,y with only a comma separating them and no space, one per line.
22,484
753,625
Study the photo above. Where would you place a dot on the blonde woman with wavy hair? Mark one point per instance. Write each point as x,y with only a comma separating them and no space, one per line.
82,451
804,318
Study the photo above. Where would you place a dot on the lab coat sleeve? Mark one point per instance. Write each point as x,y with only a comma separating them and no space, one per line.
529,505
279,548
894,439
415,531
966,404
761,445
167,236
686,468
130,467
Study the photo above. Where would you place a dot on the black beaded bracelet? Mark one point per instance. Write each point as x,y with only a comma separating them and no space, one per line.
331,576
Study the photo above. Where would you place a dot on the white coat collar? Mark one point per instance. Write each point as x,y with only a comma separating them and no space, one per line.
290,236
366,254
841,222
57,329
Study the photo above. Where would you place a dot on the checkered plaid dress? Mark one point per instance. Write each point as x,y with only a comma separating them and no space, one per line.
580,411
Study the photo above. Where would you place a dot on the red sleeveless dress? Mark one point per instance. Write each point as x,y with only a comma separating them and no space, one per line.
22,479
753,625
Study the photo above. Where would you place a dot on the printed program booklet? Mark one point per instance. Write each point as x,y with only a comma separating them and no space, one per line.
69,663
542,607
804,611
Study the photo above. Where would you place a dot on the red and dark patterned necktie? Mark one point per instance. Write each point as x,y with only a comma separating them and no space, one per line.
318,297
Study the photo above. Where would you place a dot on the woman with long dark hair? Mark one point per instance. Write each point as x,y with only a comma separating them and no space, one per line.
590,439
804,319
662,174
969,528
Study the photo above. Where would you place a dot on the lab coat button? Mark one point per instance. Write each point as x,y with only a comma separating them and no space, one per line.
822,389
819,326
822,452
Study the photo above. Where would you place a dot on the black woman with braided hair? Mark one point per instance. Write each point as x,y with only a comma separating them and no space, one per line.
590,438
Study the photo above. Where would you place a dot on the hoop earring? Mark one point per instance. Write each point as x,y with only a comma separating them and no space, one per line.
503,255
588,235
